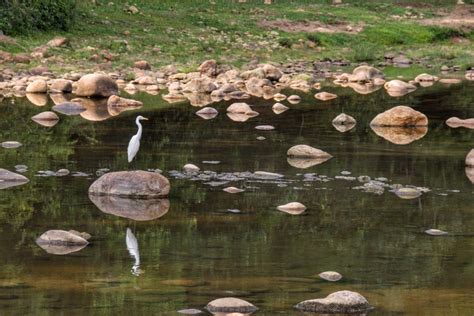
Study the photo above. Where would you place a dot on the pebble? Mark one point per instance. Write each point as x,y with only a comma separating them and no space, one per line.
435,232
11,144
265,127
261,138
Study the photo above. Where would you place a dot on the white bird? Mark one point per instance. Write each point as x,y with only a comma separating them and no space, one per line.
132,246
134,143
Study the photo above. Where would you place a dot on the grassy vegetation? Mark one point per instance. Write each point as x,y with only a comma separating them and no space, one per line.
187,32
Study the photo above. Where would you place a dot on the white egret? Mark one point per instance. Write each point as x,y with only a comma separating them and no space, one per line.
132,246
134,143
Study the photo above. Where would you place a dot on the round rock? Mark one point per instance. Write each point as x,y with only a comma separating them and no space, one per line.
341,302
435,232
37,86
331,276
293,208
230,305
233,190
191,168
401,115
96,85
407,193
140,184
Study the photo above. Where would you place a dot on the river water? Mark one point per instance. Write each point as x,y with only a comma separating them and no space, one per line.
209,243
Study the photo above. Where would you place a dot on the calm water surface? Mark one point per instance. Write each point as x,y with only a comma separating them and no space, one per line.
199,251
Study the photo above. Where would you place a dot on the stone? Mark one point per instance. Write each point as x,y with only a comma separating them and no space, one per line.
400,116
305,151
265,127
21,59
279,108
279,97
407,193
137,184
47,118
344,119
142,65
341,302
470,158
426,78
61,86
325,96
398,88
190,168
208,68
117,105
69,108
294,99
135,209
10,179
207,113
436,232
232,190
272,72
400,135
293,208
96,85
241,108
456,122
11,144
365,74
58,42
37,86
265,175
61,237
402,60
230,305
190,311
331,276
133,9
62,172
200,85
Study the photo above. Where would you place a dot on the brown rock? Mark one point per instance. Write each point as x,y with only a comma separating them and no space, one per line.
142,64
293,208
58,42
208,68
325,96
37,86
138,184
117,105
400,135
400,116
96,85
61,86
305,151
456,122
241,108
21,59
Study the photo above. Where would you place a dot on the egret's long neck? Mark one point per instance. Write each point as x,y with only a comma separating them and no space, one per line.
139,133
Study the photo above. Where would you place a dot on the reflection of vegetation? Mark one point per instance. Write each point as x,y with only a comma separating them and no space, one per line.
374,241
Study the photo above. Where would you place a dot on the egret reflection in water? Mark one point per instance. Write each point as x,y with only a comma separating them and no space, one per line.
132,246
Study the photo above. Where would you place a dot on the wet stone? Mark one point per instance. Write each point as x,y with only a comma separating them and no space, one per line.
435,232
11,144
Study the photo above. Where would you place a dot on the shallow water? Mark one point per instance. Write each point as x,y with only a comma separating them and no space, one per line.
199,250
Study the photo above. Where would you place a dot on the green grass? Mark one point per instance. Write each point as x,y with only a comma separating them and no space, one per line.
186,32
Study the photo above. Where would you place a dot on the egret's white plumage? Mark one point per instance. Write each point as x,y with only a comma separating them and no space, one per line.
134,144
132,246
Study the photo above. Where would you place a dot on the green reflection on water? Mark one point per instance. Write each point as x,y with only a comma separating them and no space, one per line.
198,251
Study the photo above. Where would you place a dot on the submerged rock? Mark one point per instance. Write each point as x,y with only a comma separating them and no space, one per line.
61,242
305,151
47,118
139,184
407,193
450,80
265,127
331,276
117,105
96,85
232,190
397,88
435,232
135,209
10,179
400,115
207,113
241,108
325,96
190,311
190,168
230,305
341,302
293,208
344,122
279,108
426,78
456,122
69,108
294,99
11,144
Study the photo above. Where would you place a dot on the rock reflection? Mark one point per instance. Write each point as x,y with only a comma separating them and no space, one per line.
363,88
132,246
136,209
38,99
59,249
58,98
400,135
240,117
470,174
96,109
304,163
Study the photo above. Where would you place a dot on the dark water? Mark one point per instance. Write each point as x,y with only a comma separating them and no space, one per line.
199,251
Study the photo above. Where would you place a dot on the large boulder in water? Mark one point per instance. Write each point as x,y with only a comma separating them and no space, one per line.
10,179
341,302
61,242
365,74
136,209
96,85
137,184
401,115
230,305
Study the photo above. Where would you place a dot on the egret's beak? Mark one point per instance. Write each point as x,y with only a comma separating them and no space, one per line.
144,118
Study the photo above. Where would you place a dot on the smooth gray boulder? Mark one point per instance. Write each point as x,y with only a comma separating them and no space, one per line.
341,302
61,242
230,305
136,184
